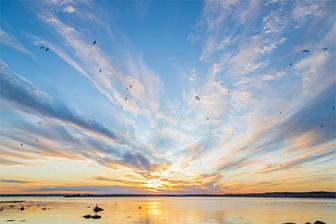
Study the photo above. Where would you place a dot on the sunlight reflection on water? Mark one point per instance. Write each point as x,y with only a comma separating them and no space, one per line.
171,210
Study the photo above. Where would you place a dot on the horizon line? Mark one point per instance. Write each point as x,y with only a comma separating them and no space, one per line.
309,194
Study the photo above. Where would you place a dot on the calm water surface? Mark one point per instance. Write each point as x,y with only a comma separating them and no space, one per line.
171,210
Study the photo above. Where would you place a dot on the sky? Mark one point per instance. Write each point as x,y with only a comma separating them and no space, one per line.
174,96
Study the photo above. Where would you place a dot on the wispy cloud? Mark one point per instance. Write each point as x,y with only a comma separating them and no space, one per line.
24,94
14,181
263,108
11,41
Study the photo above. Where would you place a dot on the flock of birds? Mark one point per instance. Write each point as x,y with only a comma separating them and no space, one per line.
308,51
198,98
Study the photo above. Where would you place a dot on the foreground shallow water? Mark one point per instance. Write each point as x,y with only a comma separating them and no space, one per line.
165,210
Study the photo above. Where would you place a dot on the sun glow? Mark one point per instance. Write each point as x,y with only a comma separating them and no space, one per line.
155,185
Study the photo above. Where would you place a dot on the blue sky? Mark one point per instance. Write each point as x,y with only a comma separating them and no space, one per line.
265,120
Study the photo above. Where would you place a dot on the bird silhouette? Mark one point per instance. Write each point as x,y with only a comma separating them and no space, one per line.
130,86
100,70
306,51
197,98
47,49
94,42
42,47
125,98
324,49
291,63
21,144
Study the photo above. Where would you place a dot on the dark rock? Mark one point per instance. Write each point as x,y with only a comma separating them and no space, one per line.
319,222
97,209
139,207
22,208
87,216
10,220
96,216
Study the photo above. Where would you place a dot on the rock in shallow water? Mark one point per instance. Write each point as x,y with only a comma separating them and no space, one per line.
97,209
87,216
319,222
95,216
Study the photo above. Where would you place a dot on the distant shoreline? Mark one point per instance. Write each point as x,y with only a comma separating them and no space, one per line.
316,194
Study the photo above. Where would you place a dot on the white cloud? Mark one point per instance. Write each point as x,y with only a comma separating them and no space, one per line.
306,9
274,22
69,9
316,69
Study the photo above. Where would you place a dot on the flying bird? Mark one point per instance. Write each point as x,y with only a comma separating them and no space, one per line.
130,86
94,42
291,63
197,98
306,51
42,47
21,144
207,118
125,98
47,49
324,49
322,125
100,70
